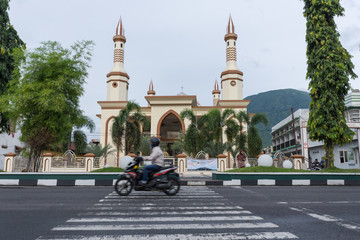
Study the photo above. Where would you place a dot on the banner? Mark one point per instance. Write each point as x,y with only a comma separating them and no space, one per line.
202,164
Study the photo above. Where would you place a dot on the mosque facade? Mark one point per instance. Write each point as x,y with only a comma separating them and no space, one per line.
163,112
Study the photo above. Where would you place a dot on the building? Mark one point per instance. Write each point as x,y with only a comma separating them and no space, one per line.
346,156
164,111
290,136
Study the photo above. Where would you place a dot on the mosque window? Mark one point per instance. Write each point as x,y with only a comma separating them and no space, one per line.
228,43
234,43
114,44
114,85
121,45
233,83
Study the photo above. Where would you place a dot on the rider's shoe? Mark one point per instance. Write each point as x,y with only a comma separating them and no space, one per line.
142,183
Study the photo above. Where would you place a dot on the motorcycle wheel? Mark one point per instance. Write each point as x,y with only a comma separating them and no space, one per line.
124,186
174,187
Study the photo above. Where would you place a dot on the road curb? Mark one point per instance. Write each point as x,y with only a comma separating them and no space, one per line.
108,179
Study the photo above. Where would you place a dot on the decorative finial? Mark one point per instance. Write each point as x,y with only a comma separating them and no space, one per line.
119,28
151,89
231,28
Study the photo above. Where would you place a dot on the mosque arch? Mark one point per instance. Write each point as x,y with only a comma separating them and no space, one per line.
107,129
169,121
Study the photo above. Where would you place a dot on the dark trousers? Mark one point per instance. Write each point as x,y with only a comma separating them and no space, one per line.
146,169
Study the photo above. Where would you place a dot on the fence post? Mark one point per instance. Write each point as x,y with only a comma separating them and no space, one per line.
298,161
9,162
181,163
47,162
89,162
221,163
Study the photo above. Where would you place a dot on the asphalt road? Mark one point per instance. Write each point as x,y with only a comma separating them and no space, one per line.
197,212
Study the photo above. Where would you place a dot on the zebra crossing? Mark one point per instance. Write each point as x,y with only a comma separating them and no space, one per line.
194,213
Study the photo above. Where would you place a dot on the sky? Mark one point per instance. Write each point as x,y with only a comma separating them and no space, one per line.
179,44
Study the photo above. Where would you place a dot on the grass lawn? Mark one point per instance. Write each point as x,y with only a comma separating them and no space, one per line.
109,169
274,169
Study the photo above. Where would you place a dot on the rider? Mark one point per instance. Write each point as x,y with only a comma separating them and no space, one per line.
156,157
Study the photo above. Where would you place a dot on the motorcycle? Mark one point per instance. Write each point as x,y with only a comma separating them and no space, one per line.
165,179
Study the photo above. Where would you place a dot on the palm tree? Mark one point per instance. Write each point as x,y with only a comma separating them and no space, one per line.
80,141
215,121
126,128
98,150
193,139
243,118
254,139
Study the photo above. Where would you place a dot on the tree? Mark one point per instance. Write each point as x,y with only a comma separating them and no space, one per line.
253,139
80,141
193,139
9,40
125,131
214,123
329,69
98,150
44,96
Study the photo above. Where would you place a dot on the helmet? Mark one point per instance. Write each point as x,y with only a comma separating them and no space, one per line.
154,142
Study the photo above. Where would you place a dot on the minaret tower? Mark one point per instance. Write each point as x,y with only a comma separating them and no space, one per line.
216,94
151,91
118,79
231,77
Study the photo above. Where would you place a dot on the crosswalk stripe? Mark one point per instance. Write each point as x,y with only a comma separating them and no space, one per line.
205,236
173,199
194,208
163,226
164,197
127,203
166,219
111,213
126,207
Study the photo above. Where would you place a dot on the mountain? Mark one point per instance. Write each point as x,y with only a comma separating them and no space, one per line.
276,105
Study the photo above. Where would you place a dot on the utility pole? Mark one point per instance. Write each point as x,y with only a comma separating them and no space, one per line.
293,124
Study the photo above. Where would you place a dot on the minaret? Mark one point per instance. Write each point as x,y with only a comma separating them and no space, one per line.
118,79
231,77
151,91
216,94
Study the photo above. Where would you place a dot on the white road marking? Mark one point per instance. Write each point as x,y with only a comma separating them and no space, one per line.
164,208
137,199
328,218
299,182
113,213
85,182
234,182
166,219
163,226
205,236
266,182
164,197
331,202
47,182
9,181
160,204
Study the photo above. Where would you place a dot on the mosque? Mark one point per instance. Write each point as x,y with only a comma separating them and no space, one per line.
163,112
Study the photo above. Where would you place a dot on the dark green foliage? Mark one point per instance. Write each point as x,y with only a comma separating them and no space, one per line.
44,96
99,150
126,128
277,106
329,70
145,146
214,148
80,142
9,40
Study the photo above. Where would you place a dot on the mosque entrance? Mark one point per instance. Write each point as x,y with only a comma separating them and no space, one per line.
170,127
